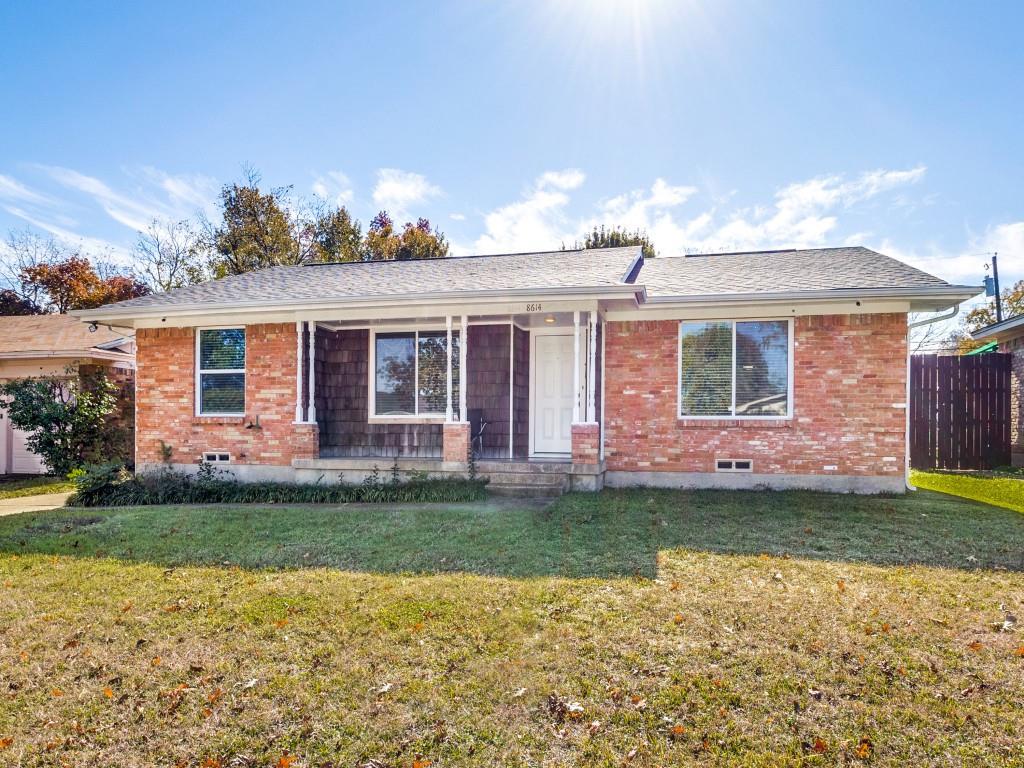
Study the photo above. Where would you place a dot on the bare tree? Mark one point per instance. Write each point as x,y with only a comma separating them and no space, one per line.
25,249
930,339
167,255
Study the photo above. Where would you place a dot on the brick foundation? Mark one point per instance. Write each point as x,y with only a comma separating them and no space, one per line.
456,442
586,443
165,395
849,373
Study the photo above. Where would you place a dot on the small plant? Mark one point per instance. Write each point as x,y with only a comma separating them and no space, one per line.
166,453
472,464
395,476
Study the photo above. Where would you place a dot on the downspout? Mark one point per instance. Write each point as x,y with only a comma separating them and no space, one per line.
906,447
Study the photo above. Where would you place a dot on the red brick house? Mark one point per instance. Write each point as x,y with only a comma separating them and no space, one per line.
565,369
1009,336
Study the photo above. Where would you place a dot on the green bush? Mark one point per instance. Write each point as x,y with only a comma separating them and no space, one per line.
110,485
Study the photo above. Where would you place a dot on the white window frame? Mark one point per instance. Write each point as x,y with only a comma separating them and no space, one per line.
408,418
732,416
200,371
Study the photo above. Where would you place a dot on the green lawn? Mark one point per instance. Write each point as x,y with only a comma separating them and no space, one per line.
1003,490
631,628
16,487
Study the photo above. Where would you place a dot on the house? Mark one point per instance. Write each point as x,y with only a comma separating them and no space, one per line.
55,346
576,368
1009,336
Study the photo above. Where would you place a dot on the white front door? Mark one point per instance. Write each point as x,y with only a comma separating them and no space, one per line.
552,394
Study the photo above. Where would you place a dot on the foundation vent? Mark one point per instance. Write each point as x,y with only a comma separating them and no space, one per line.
734,465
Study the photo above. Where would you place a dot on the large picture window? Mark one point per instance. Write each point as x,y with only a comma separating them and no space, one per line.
220,367
734,369
411,373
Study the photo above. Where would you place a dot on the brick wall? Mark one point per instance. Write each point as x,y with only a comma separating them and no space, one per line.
165,395
1016,348
586,443
849,370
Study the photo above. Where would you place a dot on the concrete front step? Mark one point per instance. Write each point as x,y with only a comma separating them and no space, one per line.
526,478
531,467
527,491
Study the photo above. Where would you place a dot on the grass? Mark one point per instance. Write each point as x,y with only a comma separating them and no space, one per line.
16,487
707,628
1001,489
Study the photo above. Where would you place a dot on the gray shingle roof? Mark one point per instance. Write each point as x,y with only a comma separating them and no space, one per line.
779,271
580,269
724,274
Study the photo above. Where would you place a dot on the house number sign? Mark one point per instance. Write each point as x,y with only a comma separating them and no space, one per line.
533,308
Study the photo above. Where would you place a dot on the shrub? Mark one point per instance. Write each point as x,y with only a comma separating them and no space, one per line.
110,485
69,419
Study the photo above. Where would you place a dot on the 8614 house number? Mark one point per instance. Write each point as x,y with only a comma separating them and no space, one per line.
533,308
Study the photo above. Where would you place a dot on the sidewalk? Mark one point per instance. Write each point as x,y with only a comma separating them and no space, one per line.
32,503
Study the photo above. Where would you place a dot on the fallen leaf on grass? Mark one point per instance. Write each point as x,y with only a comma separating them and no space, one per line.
677,619
215,695
108,692
594,727
6,742
384,688
1020,652
157,661
56,693
518,693
864,749
422,763
841,585
674,586
211,762
820,746
281,623
975,646
285,761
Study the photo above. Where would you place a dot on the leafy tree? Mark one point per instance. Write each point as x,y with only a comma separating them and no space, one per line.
255,231
416,241
616,237
169,255
11,303
74,284
985,314
336,236
69,420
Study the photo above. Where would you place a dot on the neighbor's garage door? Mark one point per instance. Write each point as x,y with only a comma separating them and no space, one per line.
15,457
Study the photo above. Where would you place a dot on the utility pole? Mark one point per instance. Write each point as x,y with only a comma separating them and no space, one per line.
999,299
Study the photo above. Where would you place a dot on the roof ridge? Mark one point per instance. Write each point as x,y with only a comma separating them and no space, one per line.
467,256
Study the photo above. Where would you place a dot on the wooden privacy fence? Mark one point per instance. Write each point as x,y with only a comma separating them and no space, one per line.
960,411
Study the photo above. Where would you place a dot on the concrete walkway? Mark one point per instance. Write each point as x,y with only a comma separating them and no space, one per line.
32,503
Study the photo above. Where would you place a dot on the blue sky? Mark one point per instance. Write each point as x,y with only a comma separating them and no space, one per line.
716,125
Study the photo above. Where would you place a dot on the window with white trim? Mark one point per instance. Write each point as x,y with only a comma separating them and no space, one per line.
735,369
220,372
410,376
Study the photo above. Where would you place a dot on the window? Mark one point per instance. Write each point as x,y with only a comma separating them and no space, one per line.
215,457
221,371
734,369
411,373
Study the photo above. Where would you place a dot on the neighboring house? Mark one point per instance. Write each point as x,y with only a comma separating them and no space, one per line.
54,345
781,368
1009,336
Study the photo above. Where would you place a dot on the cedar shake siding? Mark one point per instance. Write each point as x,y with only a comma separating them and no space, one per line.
521,395
342,405
487,360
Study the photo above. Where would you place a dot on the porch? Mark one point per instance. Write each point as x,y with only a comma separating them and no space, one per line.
520,394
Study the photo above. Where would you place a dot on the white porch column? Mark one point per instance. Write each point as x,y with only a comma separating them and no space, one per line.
591,378
448,361
311,411
463,344
576,367
298,371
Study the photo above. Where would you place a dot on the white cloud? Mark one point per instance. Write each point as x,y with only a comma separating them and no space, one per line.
178,196
396,190
92,246
538,221
570,178
457,216
968,267
335,187
12,189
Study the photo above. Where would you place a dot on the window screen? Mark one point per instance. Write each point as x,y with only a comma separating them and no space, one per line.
411,376
221,371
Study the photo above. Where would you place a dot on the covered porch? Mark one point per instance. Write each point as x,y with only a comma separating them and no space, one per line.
517,393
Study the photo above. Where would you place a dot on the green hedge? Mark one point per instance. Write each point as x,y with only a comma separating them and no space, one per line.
113,486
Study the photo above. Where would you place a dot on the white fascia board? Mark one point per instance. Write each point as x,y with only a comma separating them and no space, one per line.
289,308
1009,328
925,298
